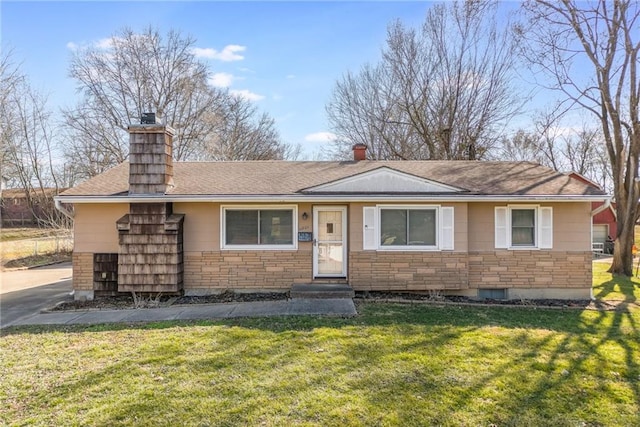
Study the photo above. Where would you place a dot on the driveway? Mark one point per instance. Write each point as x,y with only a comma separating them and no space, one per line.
25,292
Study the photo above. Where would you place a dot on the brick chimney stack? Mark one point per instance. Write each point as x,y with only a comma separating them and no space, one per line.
359,152
150,156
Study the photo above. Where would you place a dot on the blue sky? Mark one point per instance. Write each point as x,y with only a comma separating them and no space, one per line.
290,53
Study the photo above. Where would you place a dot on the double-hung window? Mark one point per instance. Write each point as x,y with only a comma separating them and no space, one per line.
410,227
258,228
523,227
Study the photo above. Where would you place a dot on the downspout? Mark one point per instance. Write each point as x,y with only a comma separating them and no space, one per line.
66,212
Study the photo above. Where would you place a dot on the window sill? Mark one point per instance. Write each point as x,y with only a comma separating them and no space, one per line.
408,249
259,248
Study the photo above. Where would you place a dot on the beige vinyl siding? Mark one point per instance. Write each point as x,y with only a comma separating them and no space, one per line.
201,226
94,227
571,225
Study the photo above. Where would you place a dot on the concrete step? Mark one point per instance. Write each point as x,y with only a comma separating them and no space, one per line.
321,291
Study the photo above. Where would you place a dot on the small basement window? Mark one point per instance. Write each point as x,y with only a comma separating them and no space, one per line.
492,293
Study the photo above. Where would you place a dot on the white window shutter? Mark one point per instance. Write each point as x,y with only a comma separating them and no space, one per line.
502,227
369,232
545,228
446,228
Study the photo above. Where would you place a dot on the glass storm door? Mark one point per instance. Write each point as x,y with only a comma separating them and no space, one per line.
329,241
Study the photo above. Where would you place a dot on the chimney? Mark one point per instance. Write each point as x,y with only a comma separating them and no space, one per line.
359,152
150,156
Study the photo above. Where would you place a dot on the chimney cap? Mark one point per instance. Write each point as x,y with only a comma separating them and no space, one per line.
148,119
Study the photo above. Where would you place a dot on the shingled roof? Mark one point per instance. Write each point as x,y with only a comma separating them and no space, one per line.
264,178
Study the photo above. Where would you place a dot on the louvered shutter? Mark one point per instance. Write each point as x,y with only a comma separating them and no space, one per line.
545,231
446,228
369,232
502,227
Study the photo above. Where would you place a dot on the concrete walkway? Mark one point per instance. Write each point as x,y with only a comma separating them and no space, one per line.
314,307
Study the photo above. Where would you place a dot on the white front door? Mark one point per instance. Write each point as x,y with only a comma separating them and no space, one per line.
329,241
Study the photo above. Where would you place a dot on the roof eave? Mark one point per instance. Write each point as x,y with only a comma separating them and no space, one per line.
276,198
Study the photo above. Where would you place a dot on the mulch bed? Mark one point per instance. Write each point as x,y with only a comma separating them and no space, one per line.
410,297
123,302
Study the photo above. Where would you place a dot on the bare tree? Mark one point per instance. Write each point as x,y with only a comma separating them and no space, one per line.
27,144
242,133
563,39
441,92
577,150
584,151
10,78
363,110
134,73
522,146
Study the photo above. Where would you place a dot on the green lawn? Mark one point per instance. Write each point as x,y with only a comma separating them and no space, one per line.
392,365
607,287
28,247
21,233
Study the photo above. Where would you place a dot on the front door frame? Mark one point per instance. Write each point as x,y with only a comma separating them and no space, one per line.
316,210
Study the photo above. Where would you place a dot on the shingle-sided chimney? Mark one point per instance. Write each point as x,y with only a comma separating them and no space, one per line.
359,152
150,156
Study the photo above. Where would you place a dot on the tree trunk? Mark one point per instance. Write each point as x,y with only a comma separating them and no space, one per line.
622,255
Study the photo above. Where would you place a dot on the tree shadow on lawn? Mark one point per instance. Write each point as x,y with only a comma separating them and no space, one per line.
422,364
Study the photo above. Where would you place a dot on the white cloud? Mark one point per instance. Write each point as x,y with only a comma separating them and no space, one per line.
227,54
106,43
221,80
320,137
102,44
291,76
246,94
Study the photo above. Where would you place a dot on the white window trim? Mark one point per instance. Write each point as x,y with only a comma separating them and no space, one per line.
407,248
537,231
223,231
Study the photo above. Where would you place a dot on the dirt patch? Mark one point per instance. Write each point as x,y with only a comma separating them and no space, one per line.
541,303
387,296
124,302
229,296
37,260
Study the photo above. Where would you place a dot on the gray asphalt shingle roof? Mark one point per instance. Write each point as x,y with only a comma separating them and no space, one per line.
289,178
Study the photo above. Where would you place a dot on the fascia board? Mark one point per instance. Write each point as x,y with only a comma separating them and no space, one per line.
326,198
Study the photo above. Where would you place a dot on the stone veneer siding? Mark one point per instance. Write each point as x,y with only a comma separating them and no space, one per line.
370,270
82,271
530,269
246,269
407,271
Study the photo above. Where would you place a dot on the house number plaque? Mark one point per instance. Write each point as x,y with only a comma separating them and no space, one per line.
304,236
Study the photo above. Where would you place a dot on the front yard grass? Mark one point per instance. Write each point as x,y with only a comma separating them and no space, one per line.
607,287
404,365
